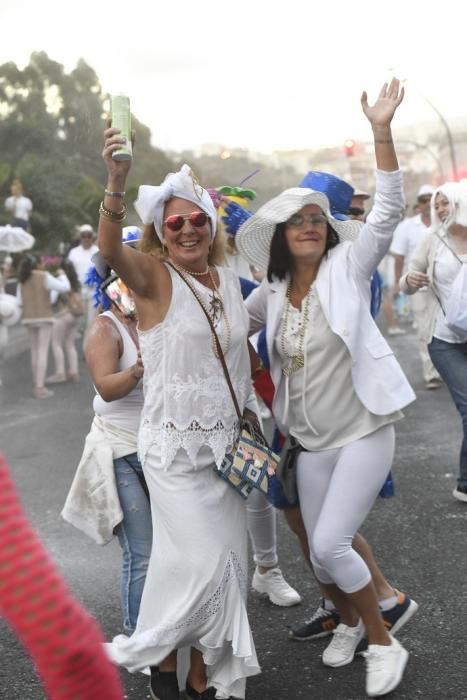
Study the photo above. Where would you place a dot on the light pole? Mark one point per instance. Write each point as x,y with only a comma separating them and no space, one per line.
428,150
452,151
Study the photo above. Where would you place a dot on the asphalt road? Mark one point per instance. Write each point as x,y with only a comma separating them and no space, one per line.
419,537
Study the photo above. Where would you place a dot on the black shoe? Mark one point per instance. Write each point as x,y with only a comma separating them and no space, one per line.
192,694
321,624
460,492
163,685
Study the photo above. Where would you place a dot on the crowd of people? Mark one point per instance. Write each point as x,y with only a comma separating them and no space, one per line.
302,272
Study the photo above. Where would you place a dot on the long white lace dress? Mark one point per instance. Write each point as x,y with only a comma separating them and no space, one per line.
195,591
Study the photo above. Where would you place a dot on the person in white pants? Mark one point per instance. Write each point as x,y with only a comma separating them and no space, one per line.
338,386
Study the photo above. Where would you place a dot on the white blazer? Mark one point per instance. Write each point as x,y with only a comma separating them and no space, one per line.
343,289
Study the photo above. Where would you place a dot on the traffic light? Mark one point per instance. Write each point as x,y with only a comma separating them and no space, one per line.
349,147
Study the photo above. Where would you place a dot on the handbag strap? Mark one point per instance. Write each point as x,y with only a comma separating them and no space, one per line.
216,338
440,238
448,247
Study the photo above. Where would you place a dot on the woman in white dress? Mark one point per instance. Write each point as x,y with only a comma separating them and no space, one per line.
195,591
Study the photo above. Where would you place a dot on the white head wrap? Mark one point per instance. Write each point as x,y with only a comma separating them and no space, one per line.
151,200
456,193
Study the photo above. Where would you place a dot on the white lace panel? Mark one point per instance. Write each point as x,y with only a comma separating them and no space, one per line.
185,628
187,401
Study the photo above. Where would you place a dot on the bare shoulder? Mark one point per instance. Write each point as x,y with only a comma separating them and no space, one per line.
102,330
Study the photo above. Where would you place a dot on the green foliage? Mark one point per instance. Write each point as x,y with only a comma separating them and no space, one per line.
51,134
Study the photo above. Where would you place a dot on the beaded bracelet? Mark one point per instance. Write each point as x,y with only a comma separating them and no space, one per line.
117,216
114,194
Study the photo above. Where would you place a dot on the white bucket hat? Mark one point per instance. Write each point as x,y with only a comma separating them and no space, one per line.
255,235
10,311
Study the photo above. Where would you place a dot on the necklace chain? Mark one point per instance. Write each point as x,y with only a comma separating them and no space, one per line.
216,309
297,360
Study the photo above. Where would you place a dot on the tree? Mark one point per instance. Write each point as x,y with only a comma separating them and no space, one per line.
51,134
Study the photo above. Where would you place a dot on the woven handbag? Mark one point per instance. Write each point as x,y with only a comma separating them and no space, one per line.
251,462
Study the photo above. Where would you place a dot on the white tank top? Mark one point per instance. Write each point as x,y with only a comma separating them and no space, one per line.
125,412
187,401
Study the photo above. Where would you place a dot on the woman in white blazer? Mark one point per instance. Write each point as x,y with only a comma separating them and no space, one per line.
339,388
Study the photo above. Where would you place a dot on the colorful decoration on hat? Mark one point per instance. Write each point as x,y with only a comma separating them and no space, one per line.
236,211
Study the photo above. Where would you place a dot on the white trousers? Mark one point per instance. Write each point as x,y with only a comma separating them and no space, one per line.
337,489
261,522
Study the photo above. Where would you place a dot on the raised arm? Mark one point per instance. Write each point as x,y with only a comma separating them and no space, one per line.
138,270
375,238
380,117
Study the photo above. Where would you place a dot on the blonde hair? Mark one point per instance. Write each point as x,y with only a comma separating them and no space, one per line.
151,245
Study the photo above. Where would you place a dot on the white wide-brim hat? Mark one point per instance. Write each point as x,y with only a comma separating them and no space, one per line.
10,311
255,235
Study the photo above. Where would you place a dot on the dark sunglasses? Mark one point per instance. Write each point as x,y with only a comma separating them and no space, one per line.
313,219
176,221
356,211
423,200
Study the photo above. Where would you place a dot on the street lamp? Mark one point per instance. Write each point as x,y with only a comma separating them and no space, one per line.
428,150
449,135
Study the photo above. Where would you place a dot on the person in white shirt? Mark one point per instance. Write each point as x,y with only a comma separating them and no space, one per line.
407,236
338,386
81,258
19,206
433,269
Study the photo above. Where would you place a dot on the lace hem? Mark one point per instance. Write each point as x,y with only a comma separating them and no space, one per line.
170,439
172,635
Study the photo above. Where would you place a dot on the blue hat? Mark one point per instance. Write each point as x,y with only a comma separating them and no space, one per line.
338,192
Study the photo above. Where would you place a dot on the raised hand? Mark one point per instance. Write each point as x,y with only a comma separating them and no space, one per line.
381,113
117,169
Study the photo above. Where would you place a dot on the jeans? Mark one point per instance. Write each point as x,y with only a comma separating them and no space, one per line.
450,359
134,535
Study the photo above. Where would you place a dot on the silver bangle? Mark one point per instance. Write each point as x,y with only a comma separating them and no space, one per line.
114,194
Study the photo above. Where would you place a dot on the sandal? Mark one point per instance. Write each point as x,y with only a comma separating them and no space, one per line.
55,379
41,392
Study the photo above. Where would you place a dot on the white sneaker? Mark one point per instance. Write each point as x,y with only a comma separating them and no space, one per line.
384,667
341,650
274,585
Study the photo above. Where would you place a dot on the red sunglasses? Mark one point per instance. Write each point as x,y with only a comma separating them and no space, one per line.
176,221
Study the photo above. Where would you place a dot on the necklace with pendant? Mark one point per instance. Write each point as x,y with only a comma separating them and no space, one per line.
215,308
297,359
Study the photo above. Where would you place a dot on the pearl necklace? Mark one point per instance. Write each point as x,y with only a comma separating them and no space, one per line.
297,360
190,272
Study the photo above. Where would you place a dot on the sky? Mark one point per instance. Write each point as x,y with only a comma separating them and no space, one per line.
251,74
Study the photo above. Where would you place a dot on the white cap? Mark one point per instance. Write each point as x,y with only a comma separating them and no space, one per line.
85,228
424,190
361,193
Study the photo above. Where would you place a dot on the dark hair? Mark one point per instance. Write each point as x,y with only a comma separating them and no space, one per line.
26,267
70,272
280,257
